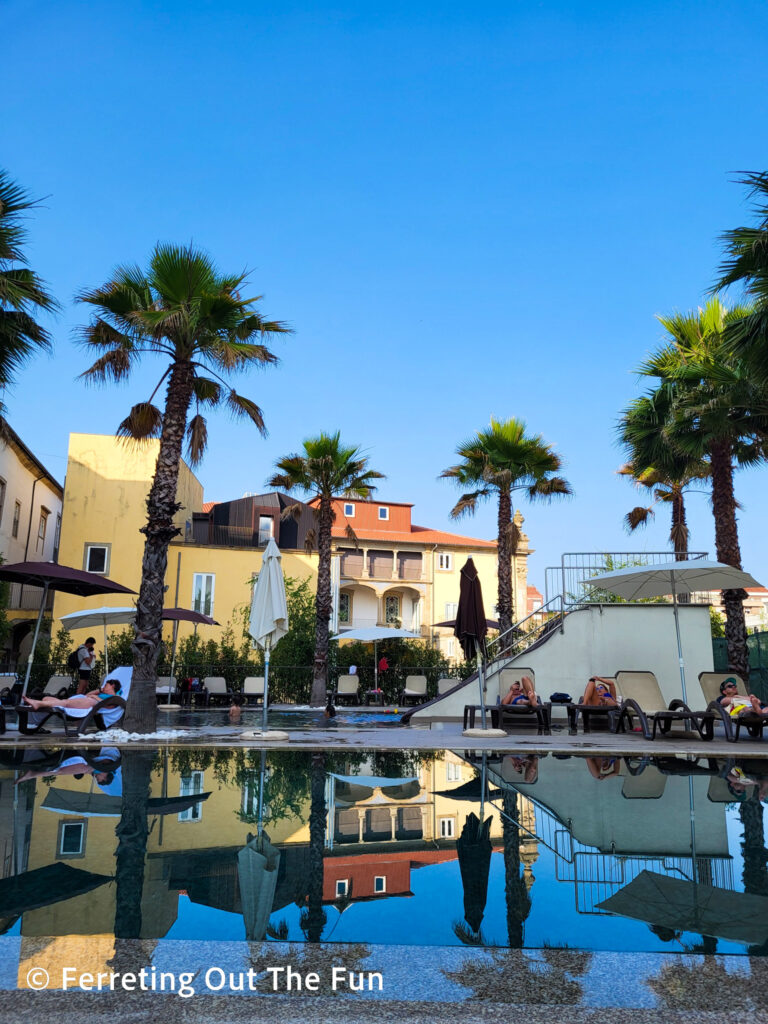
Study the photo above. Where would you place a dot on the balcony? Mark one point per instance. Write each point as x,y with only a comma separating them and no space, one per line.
23,596
380,565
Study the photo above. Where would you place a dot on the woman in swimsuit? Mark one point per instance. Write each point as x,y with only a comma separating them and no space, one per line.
109,688
600,692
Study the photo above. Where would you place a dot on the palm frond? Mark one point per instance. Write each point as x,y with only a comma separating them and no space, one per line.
639,516
241,406
197,439
143,421
113,365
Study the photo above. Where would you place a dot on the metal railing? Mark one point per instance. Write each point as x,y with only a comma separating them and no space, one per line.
22,595
528,631
577,567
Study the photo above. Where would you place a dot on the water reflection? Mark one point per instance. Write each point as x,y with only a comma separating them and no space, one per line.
505,851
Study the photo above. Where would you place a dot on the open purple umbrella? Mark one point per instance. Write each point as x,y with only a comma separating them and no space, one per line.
61,578
176,615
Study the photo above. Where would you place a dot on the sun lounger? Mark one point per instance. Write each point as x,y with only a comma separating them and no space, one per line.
591,713
104,715
56,684
710,687
642,699
164,690
216,691
253,689
415,690
445,684
504,713
346,690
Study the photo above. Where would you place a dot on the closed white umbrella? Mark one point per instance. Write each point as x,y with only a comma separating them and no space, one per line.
672,578
269,610
99,617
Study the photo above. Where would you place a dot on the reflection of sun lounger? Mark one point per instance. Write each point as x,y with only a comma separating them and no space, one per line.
647,785
103,715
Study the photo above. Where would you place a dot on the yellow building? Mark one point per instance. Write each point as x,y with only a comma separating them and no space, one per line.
386,569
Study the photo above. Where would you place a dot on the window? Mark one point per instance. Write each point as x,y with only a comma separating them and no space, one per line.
249,795
202,592
445,560
383,512
345,607
349,510
2,499
16,518
451,609
57,537
97,558
450,647
391,609
447,828
379,883
452,772
71,839
266,530
191,785
342,886
41,527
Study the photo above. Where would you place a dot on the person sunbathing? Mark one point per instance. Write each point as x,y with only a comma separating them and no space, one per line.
109,688
522,693
736,703
600,692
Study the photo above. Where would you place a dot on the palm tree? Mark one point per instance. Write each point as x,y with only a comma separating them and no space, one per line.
746,263
22,293
327,469
716,412
655,465
496,462
184,310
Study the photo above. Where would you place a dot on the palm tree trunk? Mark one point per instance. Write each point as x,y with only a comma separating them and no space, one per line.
141,714
315,919
505,603
322,602
727,547
679,533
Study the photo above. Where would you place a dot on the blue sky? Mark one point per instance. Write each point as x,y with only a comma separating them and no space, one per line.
463,210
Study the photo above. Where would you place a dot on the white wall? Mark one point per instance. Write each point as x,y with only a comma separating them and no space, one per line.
602,641
19,486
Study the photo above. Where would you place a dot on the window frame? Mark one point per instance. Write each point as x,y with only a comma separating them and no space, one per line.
345,594
202,610
16,519
448,557
195,812
342,887
382,518
3,492
376,890
399,616
89,545
271,521
447,828
351,506
65,826
42,528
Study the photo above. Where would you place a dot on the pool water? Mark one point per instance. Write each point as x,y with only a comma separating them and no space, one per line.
441,848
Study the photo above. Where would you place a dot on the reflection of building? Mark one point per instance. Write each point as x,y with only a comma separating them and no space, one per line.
30,521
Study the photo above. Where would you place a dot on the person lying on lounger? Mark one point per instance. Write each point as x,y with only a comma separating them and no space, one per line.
109,688
736,704
521,692
600,692
527,766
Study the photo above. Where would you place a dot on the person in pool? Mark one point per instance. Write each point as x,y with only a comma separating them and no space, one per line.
521,692
600,692
109,688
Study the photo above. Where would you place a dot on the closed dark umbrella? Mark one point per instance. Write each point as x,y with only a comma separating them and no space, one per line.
474,849
61,578
471,625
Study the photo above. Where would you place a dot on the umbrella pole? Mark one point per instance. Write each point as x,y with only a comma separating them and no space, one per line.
172,684
482,786
265,700
106,650
679,642
260,825
34,638
482,687
375,665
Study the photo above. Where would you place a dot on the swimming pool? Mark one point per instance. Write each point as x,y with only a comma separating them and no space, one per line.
384,847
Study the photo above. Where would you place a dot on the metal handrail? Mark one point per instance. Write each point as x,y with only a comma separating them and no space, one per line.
518,638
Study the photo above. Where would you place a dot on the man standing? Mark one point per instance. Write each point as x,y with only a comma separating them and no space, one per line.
85,660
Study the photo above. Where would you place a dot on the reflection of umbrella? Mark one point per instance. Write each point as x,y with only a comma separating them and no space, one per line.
472,791
685,906
99,617
269,611
43,886
61,578
474,849
672,578
105,805
372,635
257,866
351,788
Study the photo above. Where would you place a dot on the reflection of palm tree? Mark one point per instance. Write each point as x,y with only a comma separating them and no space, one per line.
313,921
515,890
755,855
321,959
681,986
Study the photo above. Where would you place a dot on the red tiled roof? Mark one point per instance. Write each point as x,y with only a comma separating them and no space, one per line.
208,505
417,535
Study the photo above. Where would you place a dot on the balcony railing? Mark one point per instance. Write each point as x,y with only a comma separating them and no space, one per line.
22,595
